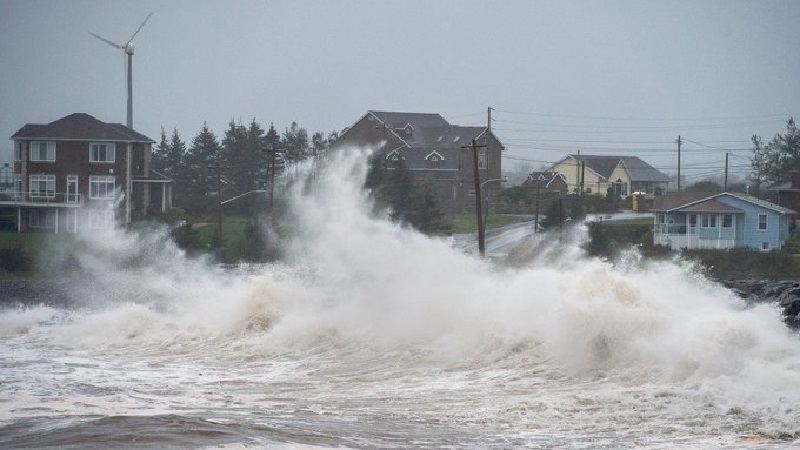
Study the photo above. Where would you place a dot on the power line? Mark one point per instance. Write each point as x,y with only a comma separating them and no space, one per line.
769,117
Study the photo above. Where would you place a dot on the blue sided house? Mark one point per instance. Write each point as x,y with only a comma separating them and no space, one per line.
719,221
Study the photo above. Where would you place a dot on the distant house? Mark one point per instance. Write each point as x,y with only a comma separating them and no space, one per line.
79,172
719,221
622,175
547,182
438,153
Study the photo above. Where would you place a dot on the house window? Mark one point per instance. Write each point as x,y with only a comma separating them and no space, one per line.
662,218
42,219
692,220
762,222
101,187
620,188
101,152
43,151
765,246
42,186
483,159
727,221
709,221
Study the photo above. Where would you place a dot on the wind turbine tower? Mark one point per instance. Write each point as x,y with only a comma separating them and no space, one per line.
128,49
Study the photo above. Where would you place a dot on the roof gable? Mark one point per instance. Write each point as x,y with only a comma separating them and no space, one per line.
696,201
637,169
80,127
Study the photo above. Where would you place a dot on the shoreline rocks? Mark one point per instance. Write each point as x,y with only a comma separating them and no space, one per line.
785,294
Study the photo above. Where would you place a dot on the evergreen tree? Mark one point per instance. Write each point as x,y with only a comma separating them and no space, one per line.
774,161
200,167
392,186
295,143
274,160
424,213
158,162
173,159
241,151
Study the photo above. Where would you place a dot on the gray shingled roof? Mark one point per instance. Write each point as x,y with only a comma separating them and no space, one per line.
698,201
637,169
712,206
428,131
400,119
80,127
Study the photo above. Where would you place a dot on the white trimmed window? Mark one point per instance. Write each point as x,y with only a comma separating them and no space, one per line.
42,186
727,221
101,152
101,218
101,187
43,151
709,221
483,159
762,222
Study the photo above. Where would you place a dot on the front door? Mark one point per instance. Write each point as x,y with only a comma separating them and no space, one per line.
72,189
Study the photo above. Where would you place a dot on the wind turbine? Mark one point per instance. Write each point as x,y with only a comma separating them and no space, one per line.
128,49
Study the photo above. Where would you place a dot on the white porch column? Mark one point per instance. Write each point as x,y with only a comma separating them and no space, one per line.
128,182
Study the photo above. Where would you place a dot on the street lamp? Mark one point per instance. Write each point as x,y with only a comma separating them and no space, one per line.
482,223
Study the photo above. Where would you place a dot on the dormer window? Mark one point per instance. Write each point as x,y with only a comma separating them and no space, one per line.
394,156
434,157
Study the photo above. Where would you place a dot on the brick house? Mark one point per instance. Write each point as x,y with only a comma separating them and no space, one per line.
79,172
438,154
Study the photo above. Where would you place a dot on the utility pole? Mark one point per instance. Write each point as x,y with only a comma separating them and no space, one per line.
679,163
725,188
272,148
478,215
536,210
219,212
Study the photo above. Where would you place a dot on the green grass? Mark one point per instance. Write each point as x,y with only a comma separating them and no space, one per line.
31,242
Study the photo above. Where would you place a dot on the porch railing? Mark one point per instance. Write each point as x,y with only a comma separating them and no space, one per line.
16,198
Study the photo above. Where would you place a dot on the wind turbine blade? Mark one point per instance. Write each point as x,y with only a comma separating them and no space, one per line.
140,27
113,44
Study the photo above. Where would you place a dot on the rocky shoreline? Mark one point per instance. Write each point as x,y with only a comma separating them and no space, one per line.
785,294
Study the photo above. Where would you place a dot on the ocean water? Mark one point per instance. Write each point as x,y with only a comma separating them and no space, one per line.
372,336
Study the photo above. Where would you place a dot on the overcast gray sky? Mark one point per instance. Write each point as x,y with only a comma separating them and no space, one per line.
602,77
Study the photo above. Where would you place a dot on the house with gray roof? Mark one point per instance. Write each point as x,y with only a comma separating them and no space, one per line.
437,153
689,220
79,172
622,175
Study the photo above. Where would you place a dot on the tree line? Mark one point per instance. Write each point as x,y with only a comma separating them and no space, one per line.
245,161
774,161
